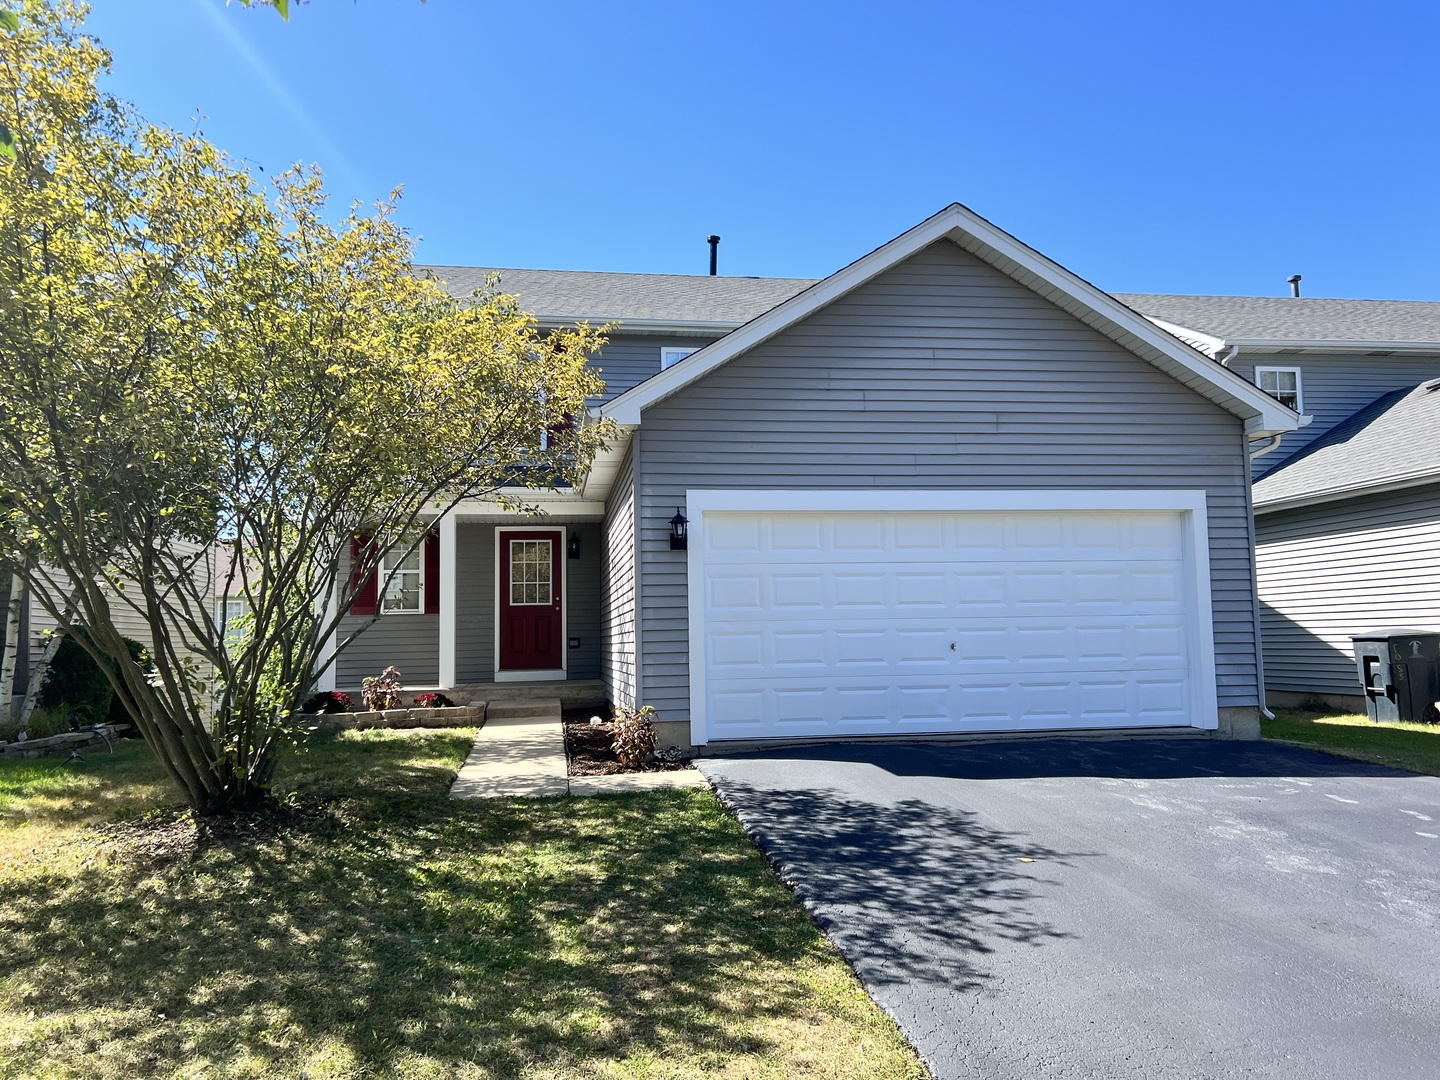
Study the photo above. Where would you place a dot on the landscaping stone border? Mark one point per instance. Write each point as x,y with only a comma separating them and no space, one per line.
63,743
472,715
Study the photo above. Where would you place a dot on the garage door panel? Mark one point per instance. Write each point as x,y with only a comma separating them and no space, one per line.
855,623
921,537
763,646
864,707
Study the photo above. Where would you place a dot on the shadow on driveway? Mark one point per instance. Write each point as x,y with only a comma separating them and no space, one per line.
911,892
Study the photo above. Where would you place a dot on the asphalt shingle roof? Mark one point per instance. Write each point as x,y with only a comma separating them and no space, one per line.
1294,319
1396,437
600,295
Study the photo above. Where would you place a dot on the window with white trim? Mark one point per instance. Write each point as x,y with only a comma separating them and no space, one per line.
228,613
671,355
405,593
1281,383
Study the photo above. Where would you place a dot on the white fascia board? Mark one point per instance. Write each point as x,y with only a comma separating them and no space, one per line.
1207,343
1314,345
637,326
1048,279
1398,483
547,502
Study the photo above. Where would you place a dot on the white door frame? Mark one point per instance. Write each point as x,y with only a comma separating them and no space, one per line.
1190,503
536,675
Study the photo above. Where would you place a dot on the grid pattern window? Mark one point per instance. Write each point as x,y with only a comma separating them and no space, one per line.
530,572
671,355
228,613
405,593
1283,384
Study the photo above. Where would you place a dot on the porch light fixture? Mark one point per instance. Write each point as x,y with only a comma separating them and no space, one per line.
574,546
677,531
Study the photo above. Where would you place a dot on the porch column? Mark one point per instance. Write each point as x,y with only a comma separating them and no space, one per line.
448,536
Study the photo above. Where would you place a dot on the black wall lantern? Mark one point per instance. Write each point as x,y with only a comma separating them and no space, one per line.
677,531
574,545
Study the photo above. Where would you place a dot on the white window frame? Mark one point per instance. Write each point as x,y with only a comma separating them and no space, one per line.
387,581
1299,390
225,618
670,355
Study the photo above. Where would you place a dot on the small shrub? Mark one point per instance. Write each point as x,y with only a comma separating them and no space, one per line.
78,684
635,736
434,701
44,722
380,692
328,701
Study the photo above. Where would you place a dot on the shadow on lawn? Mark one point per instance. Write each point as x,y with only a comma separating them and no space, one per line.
398,926
910,892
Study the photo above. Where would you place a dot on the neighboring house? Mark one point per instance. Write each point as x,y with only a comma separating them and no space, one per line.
35,630
1348,507
950,488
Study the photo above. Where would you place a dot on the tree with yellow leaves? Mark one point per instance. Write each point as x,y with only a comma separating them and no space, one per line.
188,358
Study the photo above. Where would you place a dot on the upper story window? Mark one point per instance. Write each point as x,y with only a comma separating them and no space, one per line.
405,593
1281,383
228,613
673,354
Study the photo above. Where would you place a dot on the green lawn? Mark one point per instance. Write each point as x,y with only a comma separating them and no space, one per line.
1405,746
377,928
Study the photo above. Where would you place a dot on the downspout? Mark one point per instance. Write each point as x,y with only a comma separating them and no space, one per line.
1271,445
1255,589
1225,359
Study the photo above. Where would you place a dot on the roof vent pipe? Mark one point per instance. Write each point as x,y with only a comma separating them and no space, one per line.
714,251
1293,279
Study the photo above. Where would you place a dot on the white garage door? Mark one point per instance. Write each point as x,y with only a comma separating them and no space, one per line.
857,623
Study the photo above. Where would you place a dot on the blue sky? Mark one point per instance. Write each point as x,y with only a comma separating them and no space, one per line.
1210,147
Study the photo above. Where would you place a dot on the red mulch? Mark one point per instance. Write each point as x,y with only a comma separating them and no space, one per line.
587,747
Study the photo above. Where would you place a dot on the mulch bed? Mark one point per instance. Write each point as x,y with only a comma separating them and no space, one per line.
587,747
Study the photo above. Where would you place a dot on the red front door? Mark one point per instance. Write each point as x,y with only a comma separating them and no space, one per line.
531,634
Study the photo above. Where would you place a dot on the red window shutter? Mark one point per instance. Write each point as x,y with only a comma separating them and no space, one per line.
366,592
432,573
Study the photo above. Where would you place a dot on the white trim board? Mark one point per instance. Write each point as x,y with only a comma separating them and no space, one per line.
1129,329
524,674
1191,504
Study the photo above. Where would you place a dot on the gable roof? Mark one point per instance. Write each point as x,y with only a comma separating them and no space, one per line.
1262,413
637,300
1280,321
1392,442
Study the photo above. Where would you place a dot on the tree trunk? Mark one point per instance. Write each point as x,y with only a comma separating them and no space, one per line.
39,675
11,658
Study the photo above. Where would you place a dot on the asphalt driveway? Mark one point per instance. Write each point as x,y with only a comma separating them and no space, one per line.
1180,908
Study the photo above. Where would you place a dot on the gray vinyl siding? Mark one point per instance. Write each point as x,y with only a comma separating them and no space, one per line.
1333,387
417,637
630,359
1334,570
475,602
617,613
940,373
583,602
132,624
408,642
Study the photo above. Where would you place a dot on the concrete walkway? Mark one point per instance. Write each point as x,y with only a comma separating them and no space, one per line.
521,752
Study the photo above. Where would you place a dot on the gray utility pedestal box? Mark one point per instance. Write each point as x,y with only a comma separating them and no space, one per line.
1400,671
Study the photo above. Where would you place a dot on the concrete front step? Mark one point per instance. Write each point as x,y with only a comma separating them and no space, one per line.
500,711
571,694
